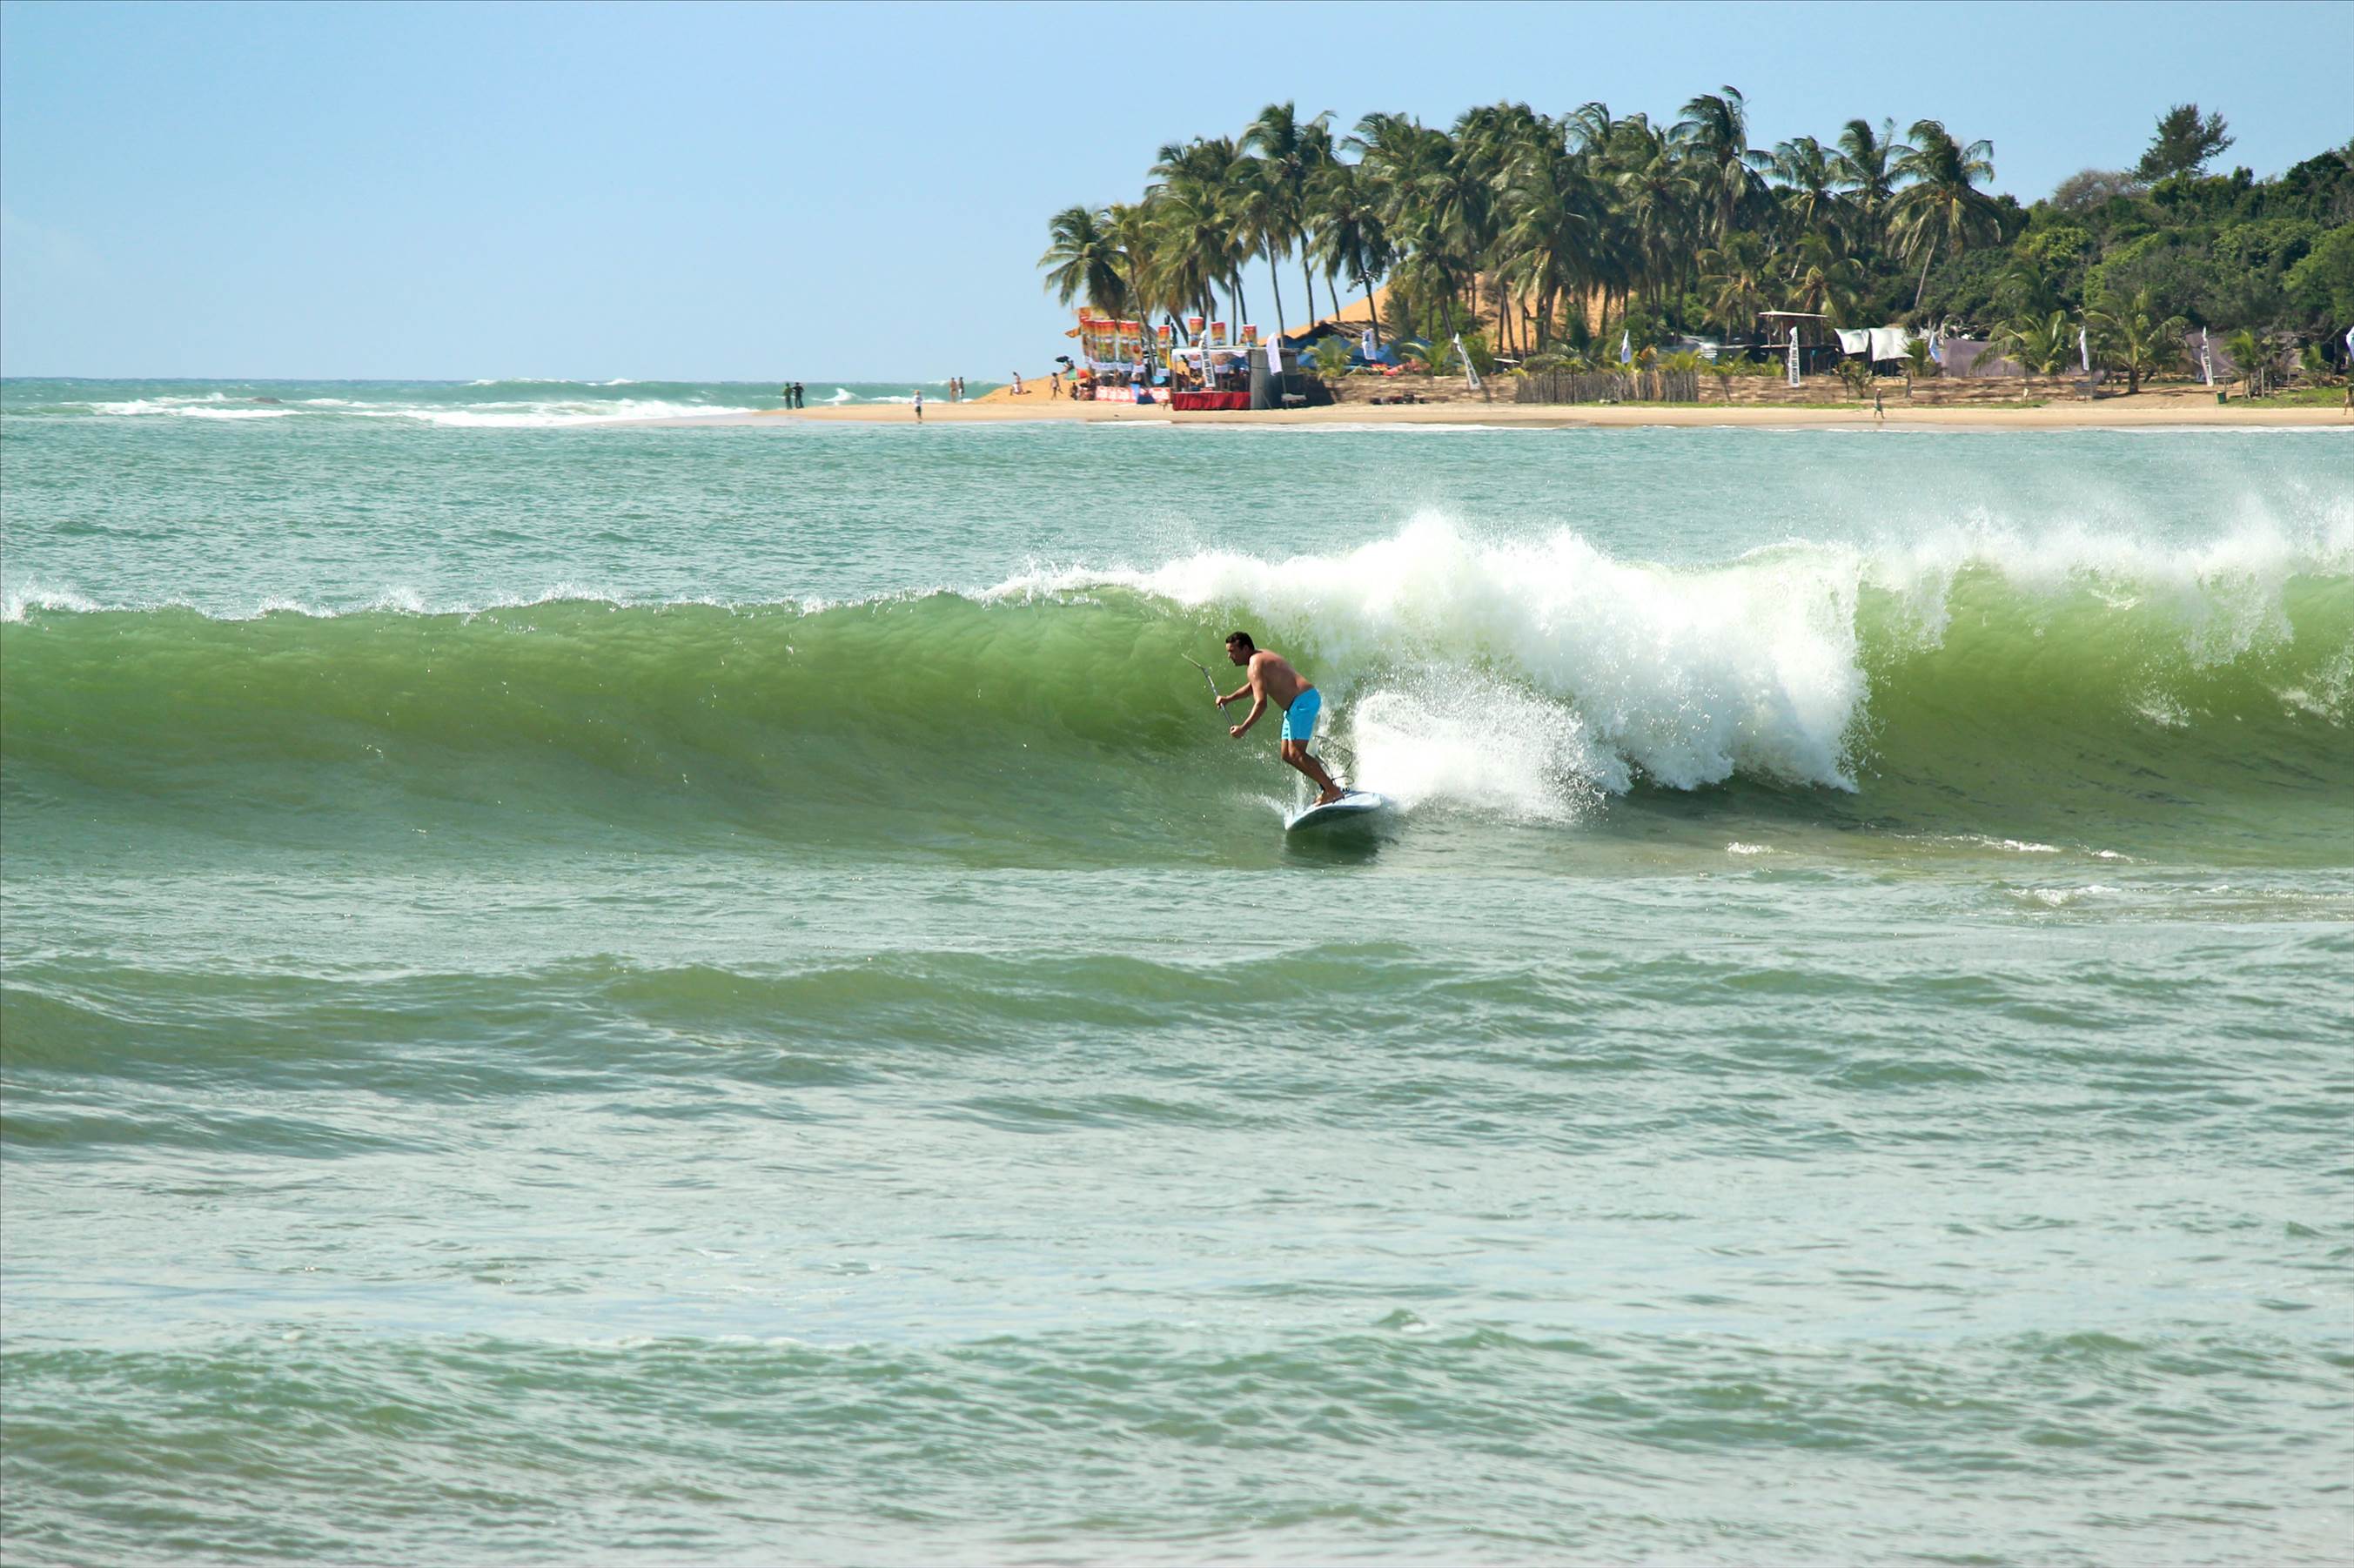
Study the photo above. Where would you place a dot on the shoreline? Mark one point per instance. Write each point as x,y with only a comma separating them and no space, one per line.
2128,414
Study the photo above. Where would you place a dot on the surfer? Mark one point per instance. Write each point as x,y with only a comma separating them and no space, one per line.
1271,675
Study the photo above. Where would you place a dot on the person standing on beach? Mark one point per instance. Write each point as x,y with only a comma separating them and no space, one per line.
800,398
1271,675
919,405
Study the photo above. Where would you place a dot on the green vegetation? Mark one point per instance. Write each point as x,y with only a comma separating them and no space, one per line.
1554,236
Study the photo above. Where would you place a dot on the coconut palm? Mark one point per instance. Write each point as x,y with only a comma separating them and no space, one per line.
2253,355
1086,261
1715,135
1191,246
1807,172
1819,279
1554,216
1192,193
1657,196
2131,337
1943,206
1488,142
2042,344
1868,168
1289,151
1346,232
1734,280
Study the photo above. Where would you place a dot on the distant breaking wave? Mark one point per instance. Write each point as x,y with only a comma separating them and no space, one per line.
503,403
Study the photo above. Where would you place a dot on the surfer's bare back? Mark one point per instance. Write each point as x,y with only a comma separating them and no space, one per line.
1272,676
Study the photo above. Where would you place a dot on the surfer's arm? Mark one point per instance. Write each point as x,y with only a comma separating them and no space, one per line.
1257,708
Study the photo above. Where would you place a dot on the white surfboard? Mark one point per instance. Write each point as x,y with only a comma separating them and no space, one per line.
1355,803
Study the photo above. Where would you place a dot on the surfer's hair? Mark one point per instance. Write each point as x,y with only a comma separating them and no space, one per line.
1244,639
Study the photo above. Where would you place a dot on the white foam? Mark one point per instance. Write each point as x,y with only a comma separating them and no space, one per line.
1465,740
31,596
552,414
1687,676
215,407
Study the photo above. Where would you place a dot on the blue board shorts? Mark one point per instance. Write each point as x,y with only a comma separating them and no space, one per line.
1299,719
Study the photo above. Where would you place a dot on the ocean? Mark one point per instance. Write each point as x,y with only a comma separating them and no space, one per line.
577,992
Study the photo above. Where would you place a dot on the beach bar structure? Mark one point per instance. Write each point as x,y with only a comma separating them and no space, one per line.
1191,365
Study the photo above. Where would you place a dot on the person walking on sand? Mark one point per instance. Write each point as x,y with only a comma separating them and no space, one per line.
1054,387
1272,676
919,405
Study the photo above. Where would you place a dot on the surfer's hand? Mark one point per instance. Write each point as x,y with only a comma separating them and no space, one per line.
1234,730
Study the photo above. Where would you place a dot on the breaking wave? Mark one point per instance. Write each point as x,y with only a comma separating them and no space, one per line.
1973,683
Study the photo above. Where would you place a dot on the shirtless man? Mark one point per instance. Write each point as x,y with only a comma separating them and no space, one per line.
1271,675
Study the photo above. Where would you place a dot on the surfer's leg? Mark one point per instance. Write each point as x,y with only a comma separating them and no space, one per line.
1296,756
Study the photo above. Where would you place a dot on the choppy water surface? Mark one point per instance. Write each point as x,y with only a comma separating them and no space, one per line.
656,994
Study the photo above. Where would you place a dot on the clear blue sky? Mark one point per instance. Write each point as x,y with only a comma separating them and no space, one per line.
862,191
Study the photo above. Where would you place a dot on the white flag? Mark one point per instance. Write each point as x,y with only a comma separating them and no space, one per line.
2084,348
1794,353
1626,348
2206,356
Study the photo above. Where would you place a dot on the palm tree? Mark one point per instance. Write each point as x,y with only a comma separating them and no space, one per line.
1714,133
1734,280
2250,354
1289,151
2132,335
1807,172
1868,168
1554,213
1192,193
1085,260
2042,343
1191,244
1488,142
1425,201
1821,280
1917,363
1255,203
1348,235
1944,205
1658,193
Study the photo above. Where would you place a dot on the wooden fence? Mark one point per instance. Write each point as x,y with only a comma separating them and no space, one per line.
1607,386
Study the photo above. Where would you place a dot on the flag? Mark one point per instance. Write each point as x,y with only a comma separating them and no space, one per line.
1626,348
1794,353
2206,356
2084,348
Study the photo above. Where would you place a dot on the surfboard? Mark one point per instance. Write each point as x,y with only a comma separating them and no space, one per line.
1355,803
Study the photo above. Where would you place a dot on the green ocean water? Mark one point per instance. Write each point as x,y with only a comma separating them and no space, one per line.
579,991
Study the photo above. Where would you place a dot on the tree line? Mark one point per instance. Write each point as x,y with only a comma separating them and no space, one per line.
1542,236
